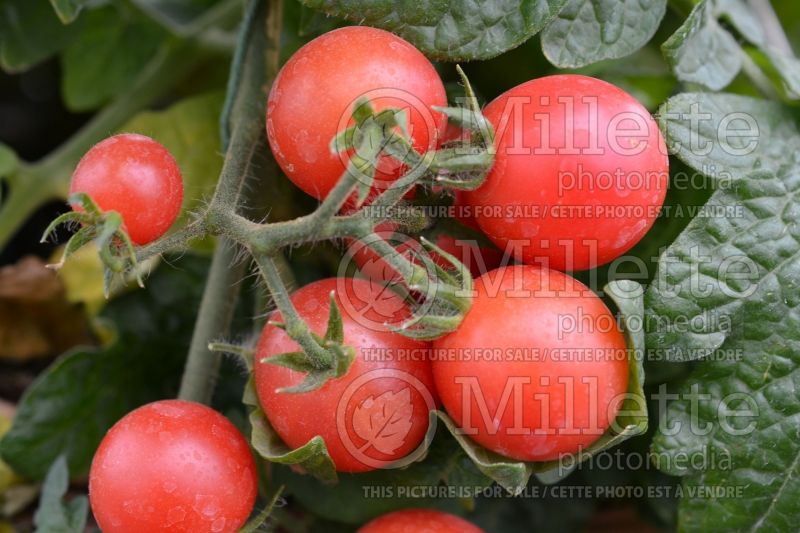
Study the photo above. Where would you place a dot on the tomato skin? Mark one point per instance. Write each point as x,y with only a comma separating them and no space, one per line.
135,176
313,96
529,308
297,417
416,520
561,185
172,466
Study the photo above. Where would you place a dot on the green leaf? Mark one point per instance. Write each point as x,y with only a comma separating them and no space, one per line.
31,32
106,57
71,405
189,129
702,51
705,52
451,30
175,14
701,130
8,160
68,10
587,31
54,515
312,457
734,280
357,498
631,421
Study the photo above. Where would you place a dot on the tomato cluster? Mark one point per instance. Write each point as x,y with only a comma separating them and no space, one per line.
538,367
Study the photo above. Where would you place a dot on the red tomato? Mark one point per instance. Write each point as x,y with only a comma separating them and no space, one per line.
313,96
417,520
479,259
538,367
580,174
135,176
375,414
172,466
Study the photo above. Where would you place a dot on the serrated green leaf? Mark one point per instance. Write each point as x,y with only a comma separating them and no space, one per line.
30,32
631,421
312,457
106,57
587,31
451,30
693,123
54,515
68,10
702,51
71,405
705,52
751,313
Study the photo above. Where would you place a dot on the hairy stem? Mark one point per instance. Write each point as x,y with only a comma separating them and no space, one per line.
213,321
246,145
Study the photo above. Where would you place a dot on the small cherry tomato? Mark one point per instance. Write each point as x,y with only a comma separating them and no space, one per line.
537,369
580,172
374,415
313,96
135,176
172,466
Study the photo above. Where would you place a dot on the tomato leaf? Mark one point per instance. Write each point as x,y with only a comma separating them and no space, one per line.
78,398
747,318
706,52
53,513
106,57
631,421
8,160
694,125
451,30
587,31
31,32
68,10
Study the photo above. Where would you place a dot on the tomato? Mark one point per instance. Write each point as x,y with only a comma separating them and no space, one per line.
172,466
313,95
374,415
537,368
416,520
135,176
580,174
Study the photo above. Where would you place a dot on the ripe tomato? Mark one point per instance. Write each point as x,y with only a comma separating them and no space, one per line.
415,520
172,466
375,414
135,176
538,367
580,174
314,93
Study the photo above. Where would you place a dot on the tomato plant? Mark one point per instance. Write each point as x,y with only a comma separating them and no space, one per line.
174,466
377,412
316,90
537,369
409,520
580,175
135,176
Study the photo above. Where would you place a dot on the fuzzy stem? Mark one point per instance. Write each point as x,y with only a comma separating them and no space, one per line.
213,321
296,327
246,143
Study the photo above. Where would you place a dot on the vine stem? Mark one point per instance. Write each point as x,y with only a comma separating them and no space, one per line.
258,59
